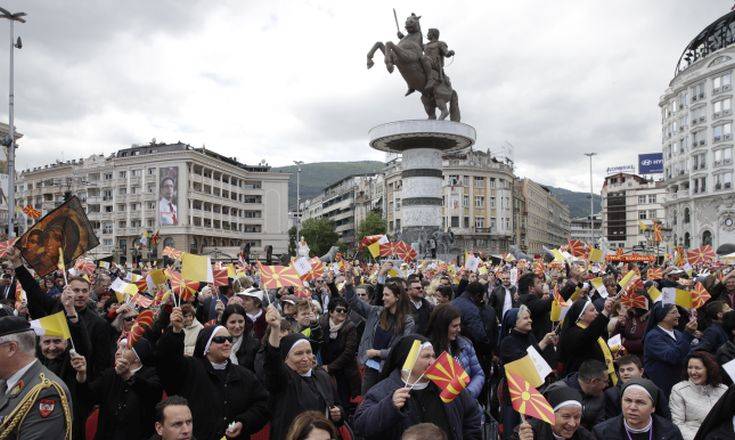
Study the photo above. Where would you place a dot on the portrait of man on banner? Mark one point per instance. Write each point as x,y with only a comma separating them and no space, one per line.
67,228
168,214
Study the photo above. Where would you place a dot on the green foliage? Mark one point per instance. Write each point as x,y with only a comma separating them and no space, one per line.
372,225
292,241
319,234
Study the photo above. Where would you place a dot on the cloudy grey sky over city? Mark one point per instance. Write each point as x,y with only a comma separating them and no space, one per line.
287,80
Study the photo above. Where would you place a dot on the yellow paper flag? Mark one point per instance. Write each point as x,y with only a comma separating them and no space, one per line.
231,273
526,368
654,293
374,249
413,355
158,276
558,256
596,255
196,268
627,279
52,325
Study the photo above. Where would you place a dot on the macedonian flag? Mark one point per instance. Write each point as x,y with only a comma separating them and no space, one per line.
449,376
699,295
527,400
275,277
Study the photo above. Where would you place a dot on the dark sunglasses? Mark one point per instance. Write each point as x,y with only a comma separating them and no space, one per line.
340,310
222,339
129,318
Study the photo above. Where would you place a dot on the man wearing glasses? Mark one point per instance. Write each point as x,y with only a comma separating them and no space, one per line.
421,308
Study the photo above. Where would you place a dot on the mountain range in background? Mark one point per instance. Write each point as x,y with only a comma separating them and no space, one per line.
316,176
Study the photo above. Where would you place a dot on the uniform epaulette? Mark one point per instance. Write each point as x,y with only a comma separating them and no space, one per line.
15,419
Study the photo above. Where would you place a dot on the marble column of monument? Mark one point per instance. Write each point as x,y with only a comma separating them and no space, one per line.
422,144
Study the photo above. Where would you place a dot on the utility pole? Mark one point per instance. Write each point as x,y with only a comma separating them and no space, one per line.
298,199
592,200
12,17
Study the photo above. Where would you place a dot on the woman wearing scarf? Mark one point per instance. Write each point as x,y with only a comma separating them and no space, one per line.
584,335
444,326
295,385
244,344
339,351
638,421
665,348
516,336
224,398
693,398
567,405
392,406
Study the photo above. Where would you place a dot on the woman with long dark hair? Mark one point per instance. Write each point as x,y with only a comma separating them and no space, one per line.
384,325
692,399
244,344
444,326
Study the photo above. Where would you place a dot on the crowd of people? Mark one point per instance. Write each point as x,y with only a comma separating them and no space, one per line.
326,360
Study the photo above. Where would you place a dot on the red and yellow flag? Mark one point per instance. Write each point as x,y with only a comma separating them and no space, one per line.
634,301
657,235
449,376
655,273
184,288
527,400
31,212
577,248
699,295
701,255
275,277
220,277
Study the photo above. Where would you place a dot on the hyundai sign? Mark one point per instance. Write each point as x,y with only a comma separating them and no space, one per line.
651,163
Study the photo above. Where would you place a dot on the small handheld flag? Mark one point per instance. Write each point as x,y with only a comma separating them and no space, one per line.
527,400
449,376
410,361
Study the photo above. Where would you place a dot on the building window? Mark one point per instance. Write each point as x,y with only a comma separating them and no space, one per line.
107,176
721,83
706,238
698,139
698,92
700,185
686,215
642,215
136,173
122,174
479,222
455,222
151,171
122,190
699,161
466,222
107,228
687,240
479,182
723,181
479,201
465,201
651,198
722,107
722,132
641,200
122,224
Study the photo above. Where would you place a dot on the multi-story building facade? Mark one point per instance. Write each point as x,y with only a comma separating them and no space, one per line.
198,200
547,220
346,202
477,200
697,139
585,230
628,202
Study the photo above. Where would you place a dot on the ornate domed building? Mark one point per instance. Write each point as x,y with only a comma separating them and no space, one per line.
697,139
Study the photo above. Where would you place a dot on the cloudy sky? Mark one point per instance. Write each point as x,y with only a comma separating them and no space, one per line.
286,80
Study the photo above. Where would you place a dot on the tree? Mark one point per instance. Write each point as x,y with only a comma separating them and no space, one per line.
319,234
292,241
372,225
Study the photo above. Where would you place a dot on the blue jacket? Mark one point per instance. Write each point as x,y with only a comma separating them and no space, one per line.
468,358
479,324
663,358
377,418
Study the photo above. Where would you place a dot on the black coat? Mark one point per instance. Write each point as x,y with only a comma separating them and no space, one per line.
421,315
339,355
514,345
613,429
126,406
593,407
99,331
576,344
540,313
246,353
542,431
497,299
213,403
289,391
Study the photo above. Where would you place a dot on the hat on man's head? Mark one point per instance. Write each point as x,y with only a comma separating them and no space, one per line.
253,293
13,324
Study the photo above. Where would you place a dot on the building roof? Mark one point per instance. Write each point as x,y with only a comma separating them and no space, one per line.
717,35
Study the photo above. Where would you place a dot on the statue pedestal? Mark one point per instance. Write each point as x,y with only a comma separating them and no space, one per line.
422,144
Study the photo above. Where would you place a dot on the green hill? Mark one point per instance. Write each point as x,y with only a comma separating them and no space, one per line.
316,176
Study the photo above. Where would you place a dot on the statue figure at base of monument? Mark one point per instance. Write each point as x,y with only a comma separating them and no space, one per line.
422,67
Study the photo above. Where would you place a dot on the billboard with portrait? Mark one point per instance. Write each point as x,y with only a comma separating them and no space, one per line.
66,228
651,163
168,184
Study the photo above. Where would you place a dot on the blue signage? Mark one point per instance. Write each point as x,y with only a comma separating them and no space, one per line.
651,163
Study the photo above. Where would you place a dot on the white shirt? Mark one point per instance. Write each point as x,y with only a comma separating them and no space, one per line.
167,212
253,317
668,332
15,378
508,303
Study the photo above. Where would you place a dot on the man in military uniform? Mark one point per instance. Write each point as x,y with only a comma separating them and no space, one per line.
34,402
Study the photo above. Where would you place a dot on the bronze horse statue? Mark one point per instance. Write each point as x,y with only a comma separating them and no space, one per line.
418,71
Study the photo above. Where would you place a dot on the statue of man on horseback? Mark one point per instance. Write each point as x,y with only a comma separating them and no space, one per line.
422,67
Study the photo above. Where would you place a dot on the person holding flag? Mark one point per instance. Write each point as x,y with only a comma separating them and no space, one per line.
583,334
567,406
406,396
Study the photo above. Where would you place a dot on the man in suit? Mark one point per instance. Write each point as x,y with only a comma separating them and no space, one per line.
34,402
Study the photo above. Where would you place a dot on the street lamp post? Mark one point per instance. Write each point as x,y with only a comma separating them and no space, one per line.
592,200
298,199
12,17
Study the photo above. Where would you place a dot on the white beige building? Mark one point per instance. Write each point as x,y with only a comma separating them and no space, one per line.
629,201
546,219
216,204
581,230
477,200
697,139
